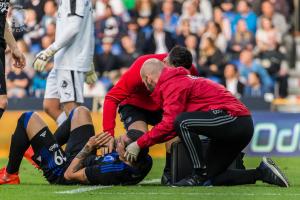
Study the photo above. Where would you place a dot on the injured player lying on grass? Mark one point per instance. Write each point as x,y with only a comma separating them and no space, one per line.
78,163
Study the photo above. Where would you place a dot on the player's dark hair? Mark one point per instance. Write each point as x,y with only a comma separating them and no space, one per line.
180,56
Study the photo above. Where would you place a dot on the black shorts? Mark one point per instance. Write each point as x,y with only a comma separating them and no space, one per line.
52,159
130,114
2,72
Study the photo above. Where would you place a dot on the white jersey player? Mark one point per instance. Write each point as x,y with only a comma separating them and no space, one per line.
73,51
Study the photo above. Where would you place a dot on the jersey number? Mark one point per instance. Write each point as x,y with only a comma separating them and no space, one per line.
59,158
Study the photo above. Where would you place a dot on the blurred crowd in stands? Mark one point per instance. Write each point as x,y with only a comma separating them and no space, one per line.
245,45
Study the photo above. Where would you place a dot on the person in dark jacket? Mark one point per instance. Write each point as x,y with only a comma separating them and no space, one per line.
160,41
231,80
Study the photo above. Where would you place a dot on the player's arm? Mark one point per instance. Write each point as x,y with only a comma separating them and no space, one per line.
76,170
72,28
17,55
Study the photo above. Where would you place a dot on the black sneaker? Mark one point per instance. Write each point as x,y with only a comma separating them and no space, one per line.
193,180
166,178
272,174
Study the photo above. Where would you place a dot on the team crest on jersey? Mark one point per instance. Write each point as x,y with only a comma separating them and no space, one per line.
108,158
4,6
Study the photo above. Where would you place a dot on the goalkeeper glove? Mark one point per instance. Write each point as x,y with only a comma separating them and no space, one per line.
91,76
43,58
132,152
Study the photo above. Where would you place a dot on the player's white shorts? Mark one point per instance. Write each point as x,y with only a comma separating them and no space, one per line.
65,85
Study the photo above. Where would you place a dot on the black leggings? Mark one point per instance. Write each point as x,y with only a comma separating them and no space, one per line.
229,136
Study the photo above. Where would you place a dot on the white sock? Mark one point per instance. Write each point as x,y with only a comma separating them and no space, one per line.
61,118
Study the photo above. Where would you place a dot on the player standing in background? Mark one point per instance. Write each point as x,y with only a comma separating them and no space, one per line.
6,37
73,51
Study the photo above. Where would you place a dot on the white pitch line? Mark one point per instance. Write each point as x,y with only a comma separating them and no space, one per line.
151,181
82,189
198,193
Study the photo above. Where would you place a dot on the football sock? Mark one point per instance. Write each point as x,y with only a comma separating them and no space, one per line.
19,144
62,133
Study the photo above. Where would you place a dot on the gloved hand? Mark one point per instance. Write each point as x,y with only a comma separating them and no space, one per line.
132,152
43,58
91,76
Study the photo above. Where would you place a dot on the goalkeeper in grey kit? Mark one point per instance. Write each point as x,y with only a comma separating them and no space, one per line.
73,51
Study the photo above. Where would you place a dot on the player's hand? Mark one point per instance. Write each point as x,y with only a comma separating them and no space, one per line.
91,76
132,152
42,59
19,58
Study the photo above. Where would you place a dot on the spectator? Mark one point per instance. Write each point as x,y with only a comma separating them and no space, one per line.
281,25
196,19
50,9
118,9
106,64
223,22
228,10
245,12
211,60
277,19
129,55
40,78
160,41
247,65
33,32
241,39
214,31
17,83
177,7
191,43
284,7
110,26
169,17
231,80
137,36
145,9
204,7
37,6
276,65
29,58
183,31
267,37
50,31
254,86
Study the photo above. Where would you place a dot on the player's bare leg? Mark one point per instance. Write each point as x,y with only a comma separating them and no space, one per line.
69,106
53,108
81,117
139,125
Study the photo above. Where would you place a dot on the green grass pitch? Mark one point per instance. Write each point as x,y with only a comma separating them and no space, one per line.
33,186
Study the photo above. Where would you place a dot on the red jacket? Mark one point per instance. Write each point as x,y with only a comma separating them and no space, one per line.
130,90
178,92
